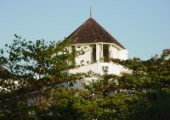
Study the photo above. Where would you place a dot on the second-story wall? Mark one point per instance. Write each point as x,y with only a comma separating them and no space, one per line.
86,53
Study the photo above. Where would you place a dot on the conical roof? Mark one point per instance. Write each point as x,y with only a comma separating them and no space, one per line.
91,32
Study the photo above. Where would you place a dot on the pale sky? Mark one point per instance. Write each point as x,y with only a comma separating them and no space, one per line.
142,26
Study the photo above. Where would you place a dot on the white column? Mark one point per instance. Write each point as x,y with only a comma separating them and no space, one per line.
110,51
97,52
102,52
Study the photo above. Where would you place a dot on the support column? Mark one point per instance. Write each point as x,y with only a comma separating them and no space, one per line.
101,57
97,53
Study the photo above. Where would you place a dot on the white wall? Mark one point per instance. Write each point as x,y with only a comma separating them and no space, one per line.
85,58
97,68
114,52
84,69
123,54
118,54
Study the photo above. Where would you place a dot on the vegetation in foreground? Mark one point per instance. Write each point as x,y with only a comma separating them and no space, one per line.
37,66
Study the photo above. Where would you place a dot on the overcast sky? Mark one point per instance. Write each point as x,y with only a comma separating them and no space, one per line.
142,26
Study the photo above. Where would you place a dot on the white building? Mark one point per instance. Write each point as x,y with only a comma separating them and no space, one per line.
99,47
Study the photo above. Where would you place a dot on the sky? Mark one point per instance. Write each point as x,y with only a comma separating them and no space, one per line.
142,26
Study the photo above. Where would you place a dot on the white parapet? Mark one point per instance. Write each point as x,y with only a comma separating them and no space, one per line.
99,68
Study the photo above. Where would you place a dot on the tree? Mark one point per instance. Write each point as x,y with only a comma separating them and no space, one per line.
144,94
36,67
30,66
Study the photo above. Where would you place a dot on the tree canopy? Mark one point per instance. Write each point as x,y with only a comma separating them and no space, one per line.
31,86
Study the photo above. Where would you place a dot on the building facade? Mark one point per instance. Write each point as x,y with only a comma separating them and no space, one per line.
96,48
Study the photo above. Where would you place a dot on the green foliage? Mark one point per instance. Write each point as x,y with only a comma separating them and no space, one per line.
30,66
37,66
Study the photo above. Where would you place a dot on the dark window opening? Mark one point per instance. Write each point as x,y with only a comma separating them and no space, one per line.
106,53
93,53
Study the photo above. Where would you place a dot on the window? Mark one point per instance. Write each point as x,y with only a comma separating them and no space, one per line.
106,53
93,53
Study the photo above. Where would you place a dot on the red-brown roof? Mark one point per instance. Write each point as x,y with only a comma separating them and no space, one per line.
92,32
